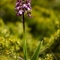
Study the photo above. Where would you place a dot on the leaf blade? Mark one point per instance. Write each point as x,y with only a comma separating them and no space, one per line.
36,52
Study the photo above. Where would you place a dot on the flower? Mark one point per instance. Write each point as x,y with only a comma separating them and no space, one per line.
22,7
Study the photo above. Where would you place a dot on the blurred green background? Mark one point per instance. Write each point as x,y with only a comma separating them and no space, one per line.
43,26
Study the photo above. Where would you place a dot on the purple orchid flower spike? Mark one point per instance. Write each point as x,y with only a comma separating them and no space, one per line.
23,6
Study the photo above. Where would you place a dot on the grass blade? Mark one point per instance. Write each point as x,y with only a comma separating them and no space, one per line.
36,52
25,50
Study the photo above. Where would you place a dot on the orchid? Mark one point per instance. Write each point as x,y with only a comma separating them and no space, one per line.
22,7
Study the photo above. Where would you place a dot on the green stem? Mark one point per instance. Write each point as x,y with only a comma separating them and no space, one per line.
23,23
24,39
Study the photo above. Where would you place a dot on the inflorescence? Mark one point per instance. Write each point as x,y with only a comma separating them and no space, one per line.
23,6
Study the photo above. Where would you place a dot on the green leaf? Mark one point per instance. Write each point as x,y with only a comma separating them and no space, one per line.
36,52
24,47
